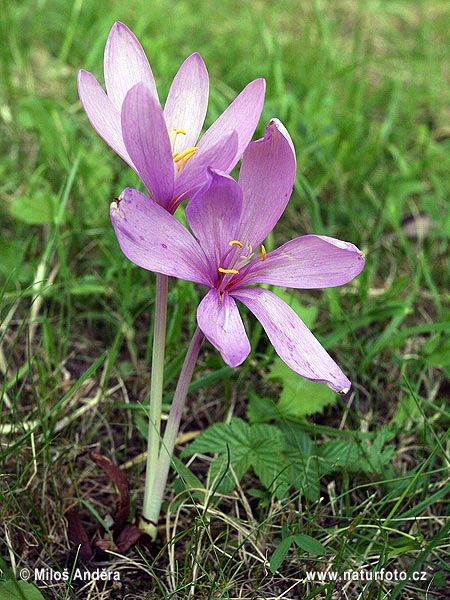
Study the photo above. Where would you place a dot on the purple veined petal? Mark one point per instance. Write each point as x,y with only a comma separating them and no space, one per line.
187,102
213,215
102,114
219,319
267,176
292,340
125,65
155,240
194,174
242,115
307,262
147,141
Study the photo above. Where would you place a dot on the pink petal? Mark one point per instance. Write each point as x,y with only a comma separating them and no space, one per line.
187,102
194,174
219,319
267,176
147,141
308,262
292,340
213,215
155,240
102,114
242,115
125,65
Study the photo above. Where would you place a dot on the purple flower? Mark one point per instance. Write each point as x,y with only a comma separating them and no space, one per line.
230,221
160,145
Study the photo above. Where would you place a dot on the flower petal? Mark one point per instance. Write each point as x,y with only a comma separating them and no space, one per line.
102,114
213,215
193,174
187,102
155,240
219,319
147,141
292,340
125,65
242,115
308,262
267,176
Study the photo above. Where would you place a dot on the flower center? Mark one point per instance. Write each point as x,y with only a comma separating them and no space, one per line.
238,260
180,158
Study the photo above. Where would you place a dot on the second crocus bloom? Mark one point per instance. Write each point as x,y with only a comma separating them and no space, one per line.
229,222
161,145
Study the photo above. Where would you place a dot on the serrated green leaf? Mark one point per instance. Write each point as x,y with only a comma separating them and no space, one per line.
299,396
217,438
304,474
296,439
309,544
224,472
380,455
267,445
261,410
277,558
259,446
344,454
368,457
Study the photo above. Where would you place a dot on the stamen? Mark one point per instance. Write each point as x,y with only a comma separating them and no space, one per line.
263,252
175,154
185,154
235,242
183,131
233,271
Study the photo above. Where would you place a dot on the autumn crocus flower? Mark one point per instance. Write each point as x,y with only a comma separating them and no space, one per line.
230,221
161,145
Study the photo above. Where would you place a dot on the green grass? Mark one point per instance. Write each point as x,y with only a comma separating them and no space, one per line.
362,87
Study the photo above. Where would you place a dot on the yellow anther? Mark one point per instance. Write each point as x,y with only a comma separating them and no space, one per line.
185,154
235,243
175,154
183,131
263,253
233,271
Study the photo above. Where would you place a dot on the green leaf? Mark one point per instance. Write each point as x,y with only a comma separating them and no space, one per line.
309,544
267,445
259,446
34,211
341,454
216,439
299,397
277,558
304,474
19,590
186,475
368,457
261,410
223,472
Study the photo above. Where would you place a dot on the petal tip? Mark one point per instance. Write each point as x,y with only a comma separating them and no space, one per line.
344,391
